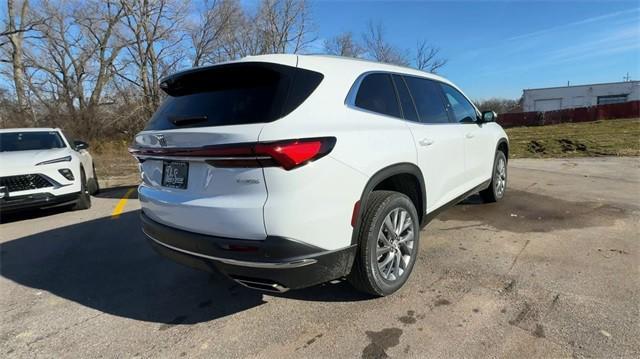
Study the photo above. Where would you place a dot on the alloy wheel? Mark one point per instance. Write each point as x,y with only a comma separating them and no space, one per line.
395,244
500,177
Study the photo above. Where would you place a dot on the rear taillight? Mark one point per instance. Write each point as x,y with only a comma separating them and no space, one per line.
287,154
292,154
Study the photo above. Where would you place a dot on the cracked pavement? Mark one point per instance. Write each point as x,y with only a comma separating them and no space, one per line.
552,271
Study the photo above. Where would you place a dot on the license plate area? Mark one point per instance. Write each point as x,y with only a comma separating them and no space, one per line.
175,174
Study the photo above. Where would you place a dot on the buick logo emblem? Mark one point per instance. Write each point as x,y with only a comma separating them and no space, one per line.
161,140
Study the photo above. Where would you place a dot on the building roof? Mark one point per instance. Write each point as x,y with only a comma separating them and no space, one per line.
585,85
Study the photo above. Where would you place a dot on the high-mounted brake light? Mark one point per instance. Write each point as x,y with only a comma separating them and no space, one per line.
287,154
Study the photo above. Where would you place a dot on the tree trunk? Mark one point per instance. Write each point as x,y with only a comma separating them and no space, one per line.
16,39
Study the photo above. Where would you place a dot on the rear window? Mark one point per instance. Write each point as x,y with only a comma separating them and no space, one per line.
27,141
233,94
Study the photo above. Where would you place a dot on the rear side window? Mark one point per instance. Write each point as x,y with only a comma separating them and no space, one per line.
233,94
462,108
428,99
408,108
376,93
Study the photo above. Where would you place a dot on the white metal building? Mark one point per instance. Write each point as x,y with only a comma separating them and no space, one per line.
558,98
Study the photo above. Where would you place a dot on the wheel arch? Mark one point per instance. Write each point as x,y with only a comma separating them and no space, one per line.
503,145
387,178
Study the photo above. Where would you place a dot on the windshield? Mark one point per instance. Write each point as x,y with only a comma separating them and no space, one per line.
26,141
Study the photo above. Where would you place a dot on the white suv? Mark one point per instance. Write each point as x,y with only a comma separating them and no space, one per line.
40,168
285,171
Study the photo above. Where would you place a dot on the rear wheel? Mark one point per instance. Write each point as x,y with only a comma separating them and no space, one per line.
84,200
498,185
388,244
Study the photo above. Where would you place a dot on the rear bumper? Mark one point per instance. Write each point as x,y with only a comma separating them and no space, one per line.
36,200
273,263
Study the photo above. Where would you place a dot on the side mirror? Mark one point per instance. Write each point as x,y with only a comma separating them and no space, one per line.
489,116
80,145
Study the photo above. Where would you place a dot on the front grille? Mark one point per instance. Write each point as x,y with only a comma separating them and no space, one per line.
24,182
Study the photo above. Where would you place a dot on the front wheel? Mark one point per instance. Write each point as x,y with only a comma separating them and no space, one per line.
498,185
84,200
388,244
93,185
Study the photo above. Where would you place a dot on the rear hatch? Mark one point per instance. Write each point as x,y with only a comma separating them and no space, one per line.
196,155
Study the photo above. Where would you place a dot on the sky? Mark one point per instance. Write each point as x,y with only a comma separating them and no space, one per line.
499,48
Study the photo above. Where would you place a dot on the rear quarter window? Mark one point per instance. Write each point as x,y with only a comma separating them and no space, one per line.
376,93
233,94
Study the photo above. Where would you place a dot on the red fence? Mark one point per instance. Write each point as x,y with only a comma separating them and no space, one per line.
583,114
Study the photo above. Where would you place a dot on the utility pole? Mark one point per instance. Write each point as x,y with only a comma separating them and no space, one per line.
627,78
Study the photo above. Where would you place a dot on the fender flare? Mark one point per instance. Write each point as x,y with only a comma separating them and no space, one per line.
506,142
377,178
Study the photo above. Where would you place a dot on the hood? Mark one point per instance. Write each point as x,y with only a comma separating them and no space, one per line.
22,159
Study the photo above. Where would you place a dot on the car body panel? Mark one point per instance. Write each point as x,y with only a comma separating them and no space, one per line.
225,202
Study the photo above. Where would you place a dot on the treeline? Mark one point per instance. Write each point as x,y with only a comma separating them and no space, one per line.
92,66
499,105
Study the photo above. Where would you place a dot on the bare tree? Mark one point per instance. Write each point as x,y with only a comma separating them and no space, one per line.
154,29
283,26
427,57
500,105
71,62
94,65
379,49
343,45
217,22
17,26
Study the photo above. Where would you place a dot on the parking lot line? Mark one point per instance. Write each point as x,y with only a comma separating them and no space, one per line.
121,203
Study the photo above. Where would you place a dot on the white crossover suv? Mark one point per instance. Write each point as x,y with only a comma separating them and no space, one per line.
284,171
40,168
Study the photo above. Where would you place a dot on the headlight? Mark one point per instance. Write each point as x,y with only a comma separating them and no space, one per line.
61,159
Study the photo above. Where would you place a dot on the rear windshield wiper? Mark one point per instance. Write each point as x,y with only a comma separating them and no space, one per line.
188,121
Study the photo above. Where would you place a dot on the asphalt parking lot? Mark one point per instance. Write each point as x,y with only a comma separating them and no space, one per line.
552,271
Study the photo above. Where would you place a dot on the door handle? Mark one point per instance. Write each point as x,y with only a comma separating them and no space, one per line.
469,135
426,142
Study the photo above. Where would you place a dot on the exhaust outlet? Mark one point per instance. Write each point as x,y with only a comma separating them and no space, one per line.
266,286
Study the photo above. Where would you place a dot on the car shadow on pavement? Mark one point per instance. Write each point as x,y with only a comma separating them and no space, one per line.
32,214
107,264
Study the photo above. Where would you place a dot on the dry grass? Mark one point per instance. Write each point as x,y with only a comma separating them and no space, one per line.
600,138
112,159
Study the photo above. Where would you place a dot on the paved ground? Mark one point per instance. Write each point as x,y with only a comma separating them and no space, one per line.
550,272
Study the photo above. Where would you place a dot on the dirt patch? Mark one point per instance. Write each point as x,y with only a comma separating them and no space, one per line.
570,146
535,147
524,212
380,342
409,318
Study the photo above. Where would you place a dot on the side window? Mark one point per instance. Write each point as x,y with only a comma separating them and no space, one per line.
463,110
428,99
376,93
408,108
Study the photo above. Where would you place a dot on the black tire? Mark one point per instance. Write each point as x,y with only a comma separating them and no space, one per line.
93,185
497,188
84,199
366,275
